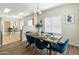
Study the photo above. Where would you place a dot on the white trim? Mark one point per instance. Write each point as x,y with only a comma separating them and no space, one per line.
74,44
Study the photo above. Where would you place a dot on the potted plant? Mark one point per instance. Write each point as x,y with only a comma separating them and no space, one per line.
38,26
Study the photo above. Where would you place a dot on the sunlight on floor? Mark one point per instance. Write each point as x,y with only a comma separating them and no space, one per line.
10,38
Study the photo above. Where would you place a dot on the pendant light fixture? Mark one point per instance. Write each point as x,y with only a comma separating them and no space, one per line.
37,11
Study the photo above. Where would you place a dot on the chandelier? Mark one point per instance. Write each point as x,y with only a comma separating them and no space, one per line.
37,11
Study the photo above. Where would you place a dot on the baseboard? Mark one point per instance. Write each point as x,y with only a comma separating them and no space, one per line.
76,45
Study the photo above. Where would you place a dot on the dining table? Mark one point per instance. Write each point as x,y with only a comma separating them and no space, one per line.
51,40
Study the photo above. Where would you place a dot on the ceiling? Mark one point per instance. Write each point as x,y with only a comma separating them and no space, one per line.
26,8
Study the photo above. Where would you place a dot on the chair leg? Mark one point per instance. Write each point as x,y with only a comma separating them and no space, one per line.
28,45
45,51
35,51
66,51
55,53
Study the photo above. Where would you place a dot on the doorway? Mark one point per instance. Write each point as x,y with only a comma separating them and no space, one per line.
11,32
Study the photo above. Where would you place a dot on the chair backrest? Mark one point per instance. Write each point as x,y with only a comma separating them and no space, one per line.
65,45
38,43
50,33
42,32
29,39
27,32
45,43
66,42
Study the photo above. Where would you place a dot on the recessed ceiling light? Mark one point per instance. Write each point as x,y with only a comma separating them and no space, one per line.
6,10
21,13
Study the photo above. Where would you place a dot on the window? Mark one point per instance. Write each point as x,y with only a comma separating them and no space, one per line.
29,22
53,24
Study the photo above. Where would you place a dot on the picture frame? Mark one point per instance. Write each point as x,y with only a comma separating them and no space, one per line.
70,19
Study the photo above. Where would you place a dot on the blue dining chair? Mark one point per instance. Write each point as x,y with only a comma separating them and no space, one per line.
60,47
29,41
40,44
27,32
45,44
42,32
50,33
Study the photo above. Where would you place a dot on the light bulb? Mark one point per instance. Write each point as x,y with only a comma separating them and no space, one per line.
40,12
35,12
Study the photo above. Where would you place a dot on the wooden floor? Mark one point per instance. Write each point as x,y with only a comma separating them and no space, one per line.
19,48
13,46
10,38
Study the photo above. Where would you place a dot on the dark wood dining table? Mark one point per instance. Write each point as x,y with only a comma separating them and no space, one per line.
46,38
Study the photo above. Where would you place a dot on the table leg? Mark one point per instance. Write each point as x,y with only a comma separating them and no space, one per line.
20,35
50,49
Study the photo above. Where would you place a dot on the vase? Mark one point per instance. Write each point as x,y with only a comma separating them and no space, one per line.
39,30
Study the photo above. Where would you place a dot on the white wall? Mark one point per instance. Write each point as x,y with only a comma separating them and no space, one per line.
26,20
26,27
70,31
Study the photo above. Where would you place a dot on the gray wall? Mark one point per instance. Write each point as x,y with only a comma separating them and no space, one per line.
68,30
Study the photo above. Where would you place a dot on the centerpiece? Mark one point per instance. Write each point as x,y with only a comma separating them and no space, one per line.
38,26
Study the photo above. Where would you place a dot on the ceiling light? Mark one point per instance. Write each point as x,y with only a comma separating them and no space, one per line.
37,11
21,13
6,10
